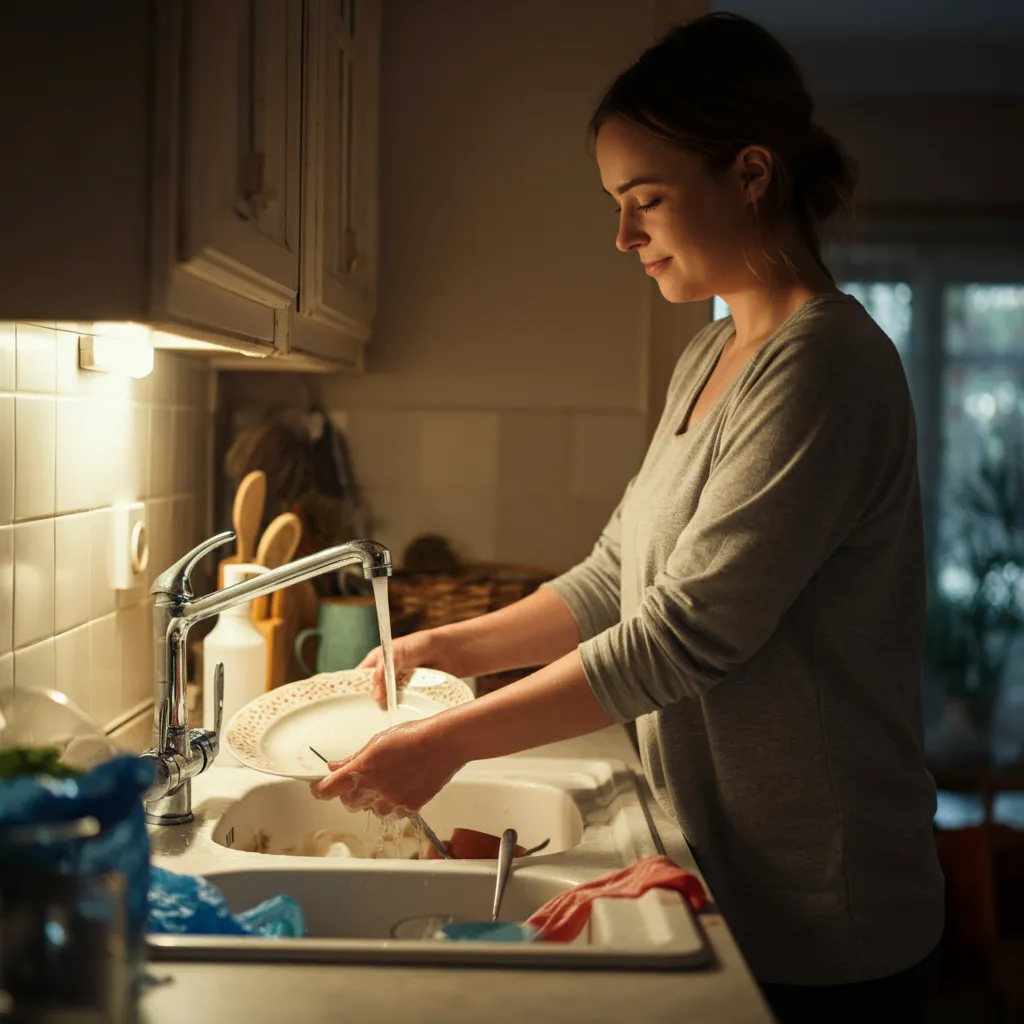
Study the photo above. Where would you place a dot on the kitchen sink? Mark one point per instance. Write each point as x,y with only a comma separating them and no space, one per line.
281,817
250,831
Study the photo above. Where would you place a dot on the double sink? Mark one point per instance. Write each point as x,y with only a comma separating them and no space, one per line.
253,837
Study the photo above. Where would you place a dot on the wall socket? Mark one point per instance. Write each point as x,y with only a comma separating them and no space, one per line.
130,545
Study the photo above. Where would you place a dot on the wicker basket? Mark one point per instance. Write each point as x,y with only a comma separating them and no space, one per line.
425,601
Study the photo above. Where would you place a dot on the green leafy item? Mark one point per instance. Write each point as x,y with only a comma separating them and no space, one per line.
18,761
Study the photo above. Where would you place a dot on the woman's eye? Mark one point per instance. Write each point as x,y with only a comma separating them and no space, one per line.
641,207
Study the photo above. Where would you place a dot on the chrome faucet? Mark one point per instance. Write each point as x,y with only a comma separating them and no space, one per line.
180,753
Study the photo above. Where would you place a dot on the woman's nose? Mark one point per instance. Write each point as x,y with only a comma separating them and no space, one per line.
629,235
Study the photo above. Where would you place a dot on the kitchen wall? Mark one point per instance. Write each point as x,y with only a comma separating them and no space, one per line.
518,357
72,444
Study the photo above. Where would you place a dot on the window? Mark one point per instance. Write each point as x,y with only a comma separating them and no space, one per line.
961,339
956,316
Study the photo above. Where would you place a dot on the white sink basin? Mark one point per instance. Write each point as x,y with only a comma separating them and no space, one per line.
590,810
281,817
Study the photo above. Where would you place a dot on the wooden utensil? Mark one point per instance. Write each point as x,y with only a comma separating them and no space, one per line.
299,606
276,548
246,516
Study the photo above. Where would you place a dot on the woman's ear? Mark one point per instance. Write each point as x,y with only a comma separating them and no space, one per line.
755,167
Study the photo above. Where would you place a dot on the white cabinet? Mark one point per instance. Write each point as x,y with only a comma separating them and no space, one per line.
338,268
238,192
208,167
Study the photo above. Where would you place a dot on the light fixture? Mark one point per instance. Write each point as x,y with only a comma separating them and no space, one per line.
181,343
123,349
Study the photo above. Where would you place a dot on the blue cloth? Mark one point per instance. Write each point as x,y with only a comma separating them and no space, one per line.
111,793
187,905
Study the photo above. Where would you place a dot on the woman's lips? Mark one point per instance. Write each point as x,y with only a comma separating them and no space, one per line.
656,266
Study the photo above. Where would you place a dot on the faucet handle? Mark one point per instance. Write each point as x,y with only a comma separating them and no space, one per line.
176,582
218,697
207,741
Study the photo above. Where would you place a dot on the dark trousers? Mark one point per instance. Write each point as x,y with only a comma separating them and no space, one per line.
899,998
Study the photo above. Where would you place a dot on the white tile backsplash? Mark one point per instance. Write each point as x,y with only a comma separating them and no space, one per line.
135,643
459,449
6,588
534,451
72,444
388,444
105,702
33,582
6,458
511,485
35,434
8,361
161,453
101,563
587,518
71,664
34,666
138,467
74,488
533,528
183,451
36,354
606,452
72,570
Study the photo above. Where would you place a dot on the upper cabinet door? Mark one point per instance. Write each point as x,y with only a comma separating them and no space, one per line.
338,274
238,225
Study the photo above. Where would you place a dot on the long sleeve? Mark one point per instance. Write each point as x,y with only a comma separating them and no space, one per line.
592,588
806,446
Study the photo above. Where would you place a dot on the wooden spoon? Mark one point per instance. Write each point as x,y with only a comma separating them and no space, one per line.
246,516
277,547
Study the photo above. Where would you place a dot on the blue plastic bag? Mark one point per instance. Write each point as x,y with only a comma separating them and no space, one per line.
112,794
183,904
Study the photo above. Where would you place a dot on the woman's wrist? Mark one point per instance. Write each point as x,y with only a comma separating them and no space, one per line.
442,738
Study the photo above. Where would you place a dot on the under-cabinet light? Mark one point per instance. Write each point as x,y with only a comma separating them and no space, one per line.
164,339
123,349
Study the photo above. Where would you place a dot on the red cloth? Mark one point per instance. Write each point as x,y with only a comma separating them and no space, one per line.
562,918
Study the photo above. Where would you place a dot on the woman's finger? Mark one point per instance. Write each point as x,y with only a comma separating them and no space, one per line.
380,690
372,659
338,784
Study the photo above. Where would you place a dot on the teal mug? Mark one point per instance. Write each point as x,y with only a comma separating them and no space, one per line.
347,631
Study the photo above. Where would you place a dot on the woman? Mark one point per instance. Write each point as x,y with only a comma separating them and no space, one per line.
756,602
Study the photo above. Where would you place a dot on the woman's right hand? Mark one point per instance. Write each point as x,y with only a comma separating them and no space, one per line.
426,649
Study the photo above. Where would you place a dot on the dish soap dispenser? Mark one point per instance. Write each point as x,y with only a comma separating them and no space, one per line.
238,645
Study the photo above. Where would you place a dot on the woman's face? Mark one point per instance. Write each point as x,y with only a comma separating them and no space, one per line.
690,229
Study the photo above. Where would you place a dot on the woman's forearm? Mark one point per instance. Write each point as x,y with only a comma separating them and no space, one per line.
554,703
537,630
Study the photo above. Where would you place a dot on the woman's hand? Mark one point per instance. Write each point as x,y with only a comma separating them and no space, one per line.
426,649
397,771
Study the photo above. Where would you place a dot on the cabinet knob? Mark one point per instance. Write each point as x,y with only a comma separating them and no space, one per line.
353,258
257,195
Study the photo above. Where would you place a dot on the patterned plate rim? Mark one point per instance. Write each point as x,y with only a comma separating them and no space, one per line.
244,733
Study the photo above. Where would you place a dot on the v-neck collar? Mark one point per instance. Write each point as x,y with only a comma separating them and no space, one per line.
728,331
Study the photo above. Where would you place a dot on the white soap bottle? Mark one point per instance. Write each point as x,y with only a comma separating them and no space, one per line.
238,645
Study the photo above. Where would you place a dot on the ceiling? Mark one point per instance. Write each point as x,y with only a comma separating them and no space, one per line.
978,18
899,47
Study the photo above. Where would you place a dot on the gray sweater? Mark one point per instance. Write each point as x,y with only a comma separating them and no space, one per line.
756,603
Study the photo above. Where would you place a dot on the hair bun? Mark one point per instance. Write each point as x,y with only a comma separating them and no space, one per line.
828,174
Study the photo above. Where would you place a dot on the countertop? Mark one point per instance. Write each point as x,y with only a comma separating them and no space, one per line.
286,993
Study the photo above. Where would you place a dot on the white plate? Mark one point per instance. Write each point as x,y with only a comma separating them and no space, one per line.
333,712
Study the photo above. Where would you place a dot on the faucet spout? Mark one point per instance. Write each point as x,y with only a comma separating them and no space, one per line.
181,753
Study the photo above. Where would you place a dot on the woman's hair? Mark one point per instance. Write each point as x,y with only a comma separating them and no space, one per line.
720,83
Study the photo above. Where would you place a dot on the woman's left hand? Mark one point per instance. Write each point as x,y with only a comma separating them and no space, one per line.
398,771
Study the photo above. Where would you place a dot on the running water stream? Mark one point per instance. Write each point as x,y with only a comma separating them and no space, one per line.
380,596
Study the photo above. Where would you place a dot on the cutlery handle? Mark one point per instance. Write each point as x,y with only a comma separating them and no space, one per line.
506,852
